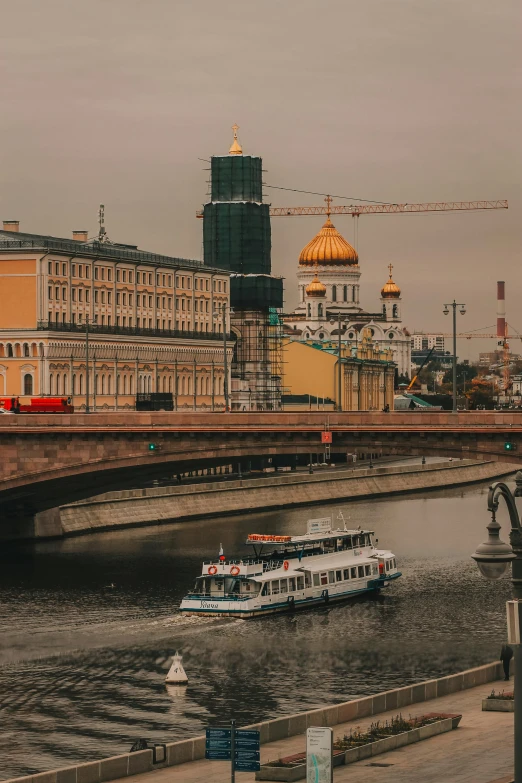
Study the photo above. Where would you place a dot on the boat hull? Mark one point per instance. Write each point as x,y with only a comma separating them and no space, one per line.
226,608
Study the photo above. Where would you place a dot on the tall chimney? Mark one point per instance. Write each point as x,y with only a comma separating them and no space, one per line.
12,225
501,309
80,236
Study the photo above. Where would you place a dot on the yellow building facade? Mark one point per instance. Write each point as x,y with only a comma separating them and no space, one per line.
367,373
146,323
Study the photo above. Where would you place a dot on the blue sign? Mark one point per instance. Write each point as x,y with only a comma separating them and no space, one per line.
218,734
217,755
247,734
218,747
247,766
218,744
247,755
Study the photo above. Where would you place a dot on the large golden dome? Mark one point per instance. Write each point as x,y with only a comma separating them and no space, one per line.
390,290
328,248
316,288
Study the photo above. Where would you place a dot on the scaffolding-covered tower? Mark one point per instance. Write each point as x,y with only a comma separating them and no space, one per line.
237,237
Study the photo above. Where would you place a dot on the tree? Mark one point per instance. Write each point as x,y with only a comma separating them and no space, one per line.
480,393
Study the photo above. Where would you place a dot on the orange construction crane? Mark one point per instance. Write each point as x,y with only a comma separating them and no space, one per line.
386,209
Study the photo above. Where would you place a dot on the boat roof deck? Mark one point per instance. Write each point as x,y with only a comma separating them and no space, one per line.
309,538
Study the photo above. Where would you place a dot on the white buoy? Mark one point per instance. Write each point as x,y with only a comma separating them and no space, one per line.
176,675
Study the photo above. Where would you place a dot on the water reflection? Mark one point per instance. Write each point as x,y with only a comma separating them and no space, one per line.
84,666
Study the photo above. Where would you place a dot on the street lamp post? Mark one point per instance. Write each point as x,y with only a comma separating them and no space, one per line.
339,377
454,305
87,405
493,558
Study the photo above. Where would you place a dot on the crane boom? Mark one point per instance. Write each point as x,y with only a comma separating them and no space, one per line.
385,209
375,209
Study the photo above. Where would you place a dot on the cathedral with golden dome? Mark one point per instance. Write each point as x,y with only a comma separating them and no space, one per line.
328,281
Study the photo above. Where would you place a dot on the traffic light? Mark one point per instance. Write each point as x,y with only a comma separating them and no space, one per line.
154,447
510,446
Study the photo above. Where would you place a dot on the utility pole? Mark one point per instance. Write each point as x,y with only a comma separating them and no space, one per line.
87,410
462,307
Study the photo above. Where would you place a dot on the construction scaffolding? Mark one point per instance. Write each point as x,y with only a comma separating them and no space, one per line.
257,364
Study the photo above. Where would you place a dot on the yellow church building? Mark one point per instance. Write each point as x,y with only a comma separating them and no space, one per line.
365,376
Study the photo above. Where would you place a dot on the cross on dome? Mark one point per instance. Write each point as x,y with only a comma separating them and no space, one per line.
390,267
328,200
235,149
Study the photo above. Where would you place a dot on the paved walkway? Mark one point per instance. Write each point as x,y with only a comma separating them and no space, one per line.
479,751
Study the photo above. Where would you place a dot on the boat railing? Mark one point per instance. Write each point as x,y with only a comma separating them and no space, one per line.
239,562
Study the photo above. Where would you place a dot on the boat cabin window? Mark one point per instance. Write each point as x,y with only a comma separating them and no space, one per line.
346,573
367,570
324,579
361,571
301,582
354,572
338,576
275,587
316,580
283,586
374,569
331,577
266,589
291,584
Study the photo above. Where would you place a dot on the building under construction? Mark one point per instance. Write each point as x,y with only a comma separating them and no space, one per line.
237,238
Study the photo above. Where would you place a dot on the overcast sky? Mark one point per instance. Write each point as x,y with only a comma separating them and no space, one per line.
115,101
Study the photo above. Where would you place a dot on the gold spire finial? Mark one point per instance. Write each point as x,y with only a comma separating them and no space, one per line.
328,200
390,267
235,149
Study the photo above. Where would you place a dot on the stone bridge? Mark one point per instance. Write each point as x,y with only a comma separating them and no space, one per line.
48,460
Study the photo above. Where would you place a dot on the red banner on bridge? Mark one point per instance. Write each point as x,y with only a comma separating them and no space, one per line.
326,437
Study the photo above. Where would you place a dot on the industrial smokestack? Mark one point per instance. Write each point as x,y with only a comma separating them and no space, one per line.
501,309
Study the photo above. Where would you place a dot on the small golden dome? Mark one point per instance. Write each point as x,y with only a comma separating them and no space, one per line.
328,248
236,148
391,290
316,288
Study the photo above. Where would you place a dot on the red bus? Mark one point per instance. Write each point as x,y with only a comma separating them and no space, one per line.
37,405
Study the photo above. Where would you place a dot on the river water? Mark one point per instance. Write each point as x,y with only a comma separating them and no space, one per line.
82,663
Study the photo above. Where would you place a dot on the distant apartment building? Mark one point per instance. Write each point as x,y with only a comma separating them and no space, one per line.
154,322
424,342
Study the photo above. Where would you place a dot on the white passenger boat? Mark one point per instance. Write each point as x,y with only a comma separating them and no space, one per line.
292,572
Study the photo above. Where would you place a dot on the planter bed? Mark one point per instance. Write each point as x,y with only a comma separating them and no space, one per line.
292,768
499,702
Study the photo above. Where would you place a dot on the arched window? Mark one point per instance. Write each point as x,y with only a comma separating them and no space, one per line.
320,310
345,293
109,384
125,384
74,383
81,383
189,385
50,383
170,383
334,293
26,349
57,383
309,310
384,310
9,350
64,383
28,383
183,385
131,384
103,384
353,293
395,311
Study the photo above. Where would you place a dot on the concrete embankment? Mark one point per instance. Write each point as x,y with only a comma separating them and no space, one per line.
143,506
280,729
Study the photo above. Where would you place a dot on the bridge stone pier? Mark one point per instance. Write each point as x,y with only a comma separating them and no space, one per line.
49,460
